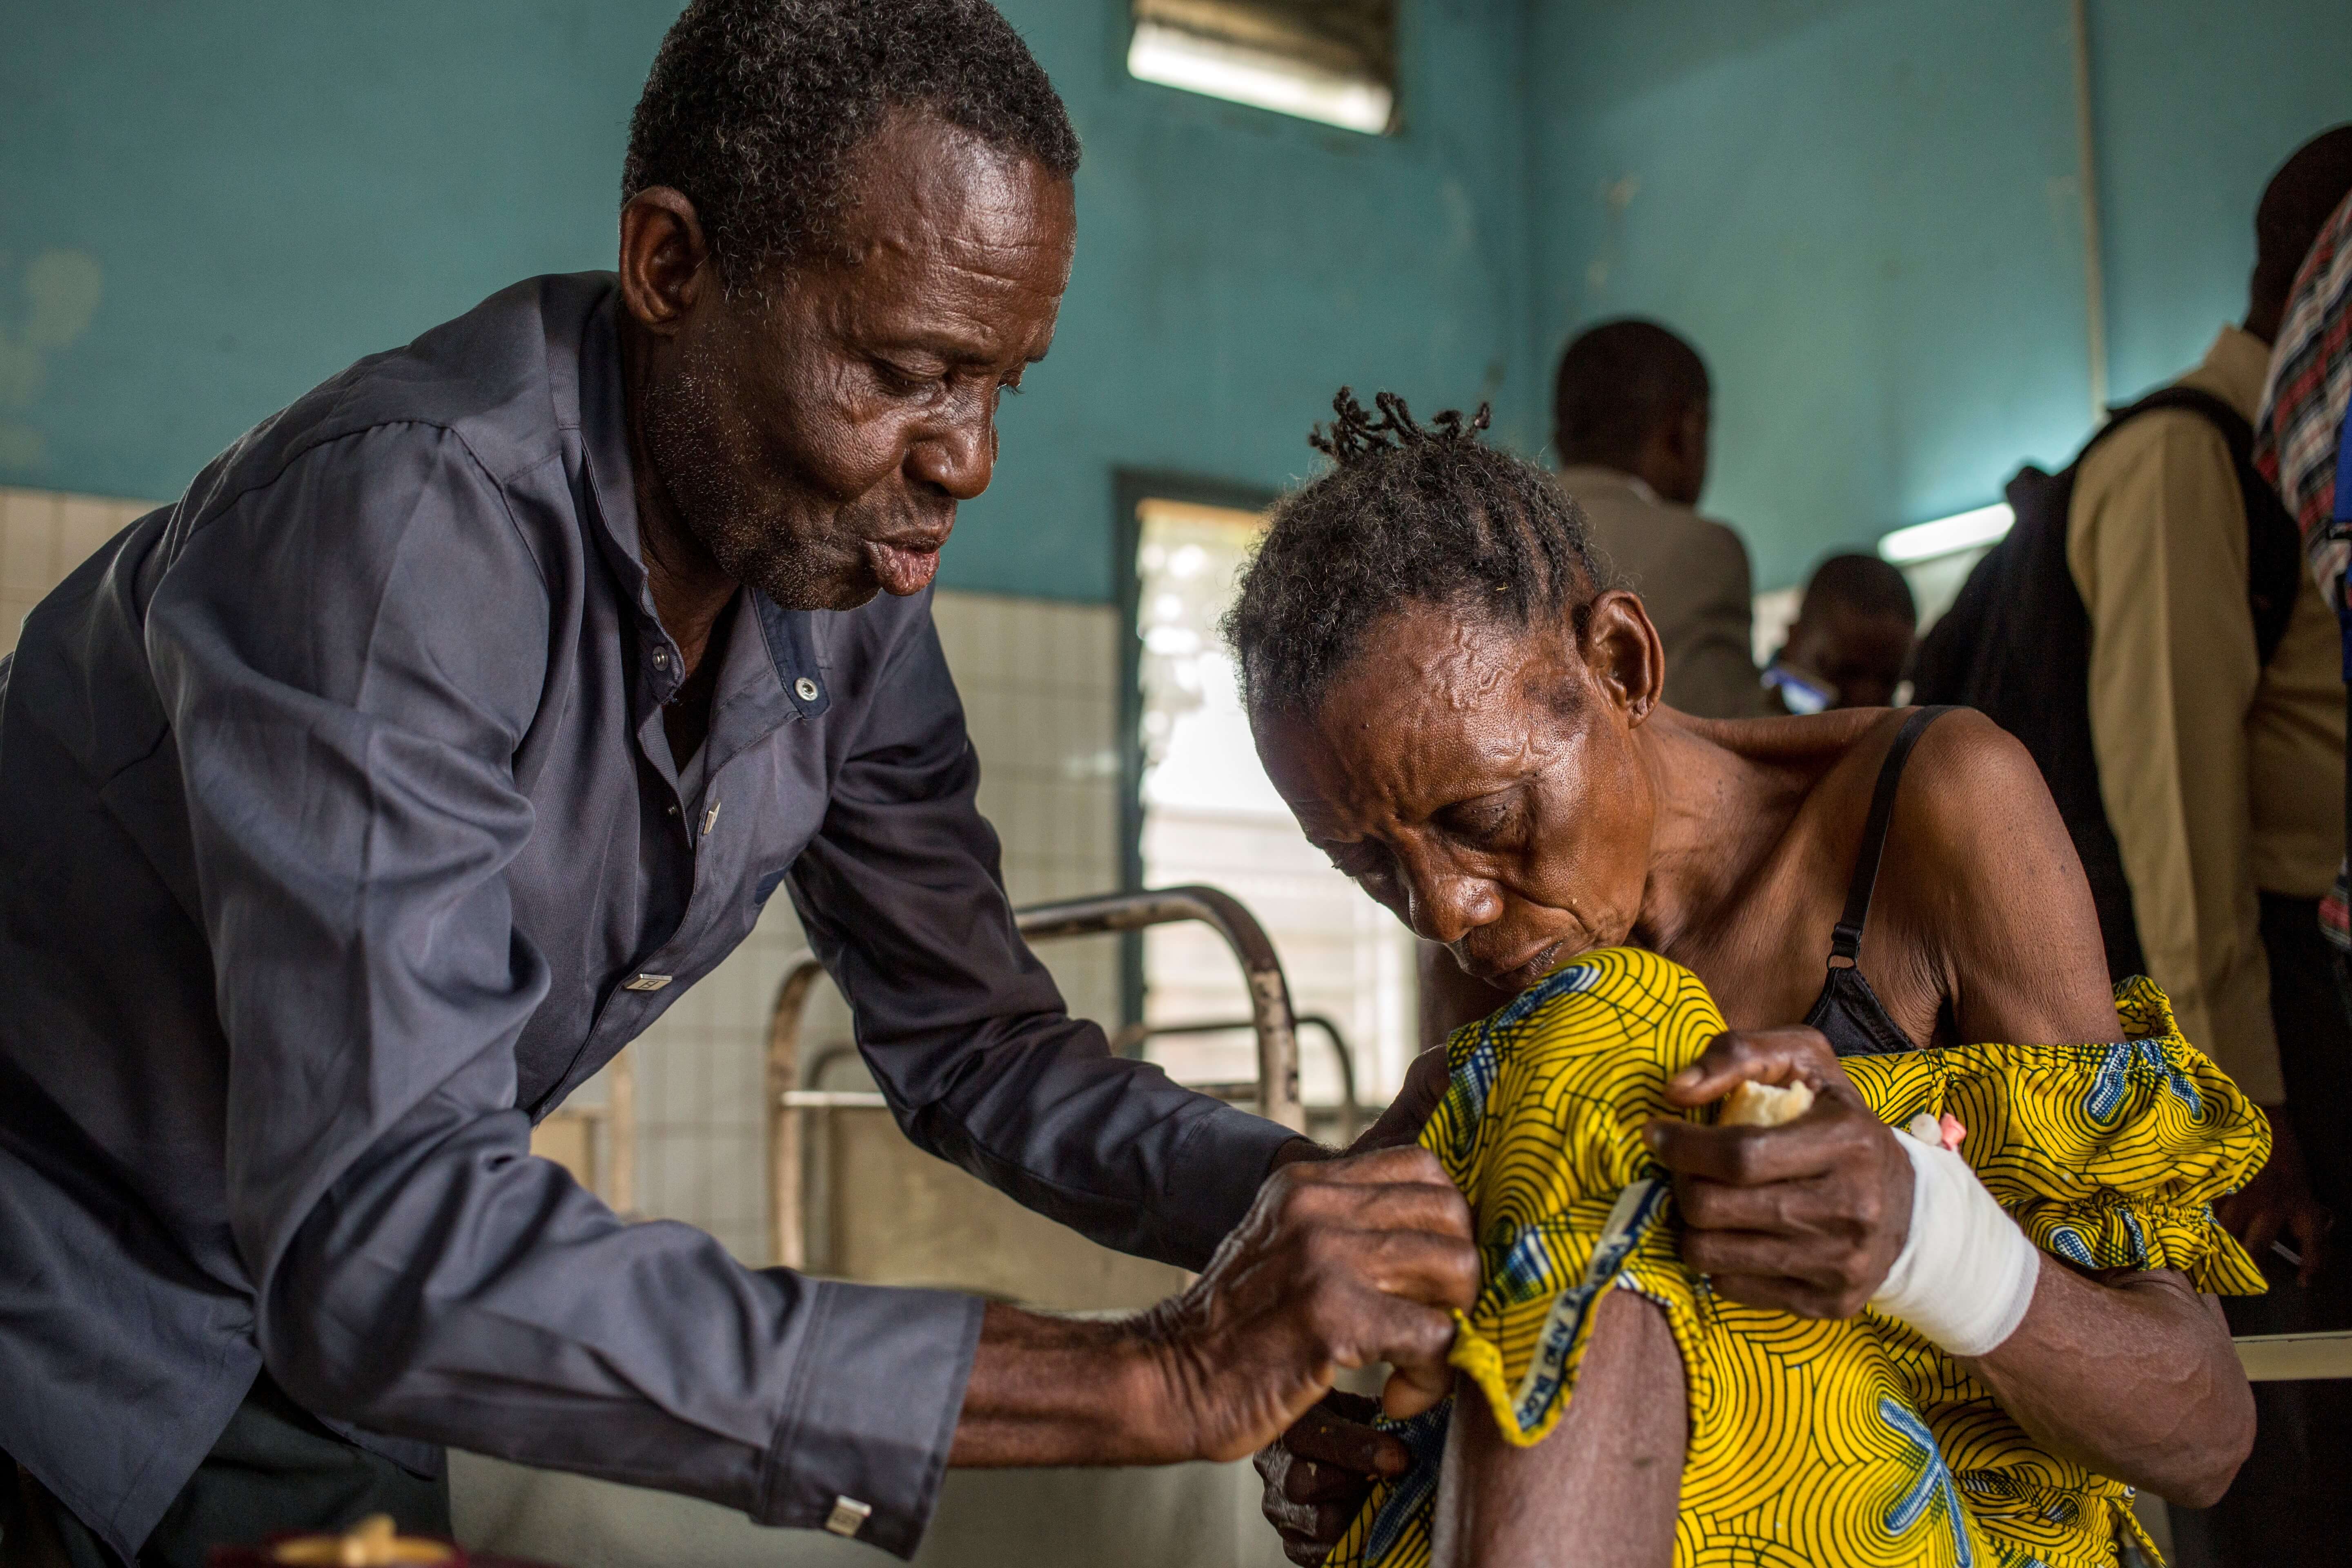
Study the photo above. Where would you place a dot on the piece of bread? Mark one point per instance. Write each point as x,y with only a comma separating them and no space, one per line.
1754,1104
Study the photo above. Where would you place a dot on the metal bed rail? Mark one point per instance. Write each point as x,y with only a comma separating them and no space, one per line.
1271,1019
2295,1358
1351,1107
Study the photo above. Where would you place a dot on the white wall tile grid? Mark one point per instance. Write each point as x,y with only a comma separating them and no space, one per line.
44,535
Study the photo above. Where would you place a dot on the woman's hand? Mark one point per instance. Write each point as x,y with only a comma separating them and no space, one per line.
1807,1216
2130,1374
1318,1473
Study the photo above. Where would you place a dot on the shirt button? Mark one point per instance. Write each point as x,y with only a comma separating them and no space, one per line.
804,689
661,658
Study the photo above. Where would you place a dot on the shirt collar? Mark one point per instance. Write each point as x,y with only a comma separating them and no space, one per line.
2236,366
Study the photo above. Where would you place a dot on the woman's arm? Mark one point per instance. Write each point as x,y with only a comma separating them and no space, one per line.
1600,1490
1982,905
2131,1373
2134,1379
2131,1376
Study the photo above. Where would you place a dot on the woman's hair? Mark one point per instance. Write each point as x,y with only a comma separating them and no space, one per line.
1409,514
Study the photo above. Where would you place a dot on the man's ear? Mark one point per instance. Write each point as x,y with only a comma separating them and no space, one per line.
665,263
1622,650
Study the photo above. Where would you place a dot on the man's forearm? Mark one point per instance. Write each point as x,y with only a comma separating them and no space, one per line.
2135,1380
1064,1391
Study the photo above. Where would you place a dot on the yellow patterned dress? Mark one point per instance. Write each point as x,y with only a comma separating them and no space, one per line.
1851,1443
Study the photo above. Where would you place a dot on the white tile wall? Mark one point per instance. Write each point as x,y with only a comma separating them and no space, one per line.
44,535
1040,684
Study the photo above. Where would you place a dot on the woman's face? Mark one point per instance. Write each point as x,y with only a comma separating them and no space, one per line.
1484,781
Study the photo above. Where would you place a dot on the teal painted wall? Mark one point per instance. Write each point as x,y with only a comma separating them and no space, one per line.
1866,214
2197,105
211,207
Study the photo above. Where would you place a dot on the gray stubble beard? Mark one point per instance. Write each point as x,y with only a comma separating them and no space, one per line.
687,444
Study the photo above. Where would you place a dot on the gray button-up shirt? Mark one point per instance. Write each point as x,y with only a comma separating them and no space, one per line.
336,814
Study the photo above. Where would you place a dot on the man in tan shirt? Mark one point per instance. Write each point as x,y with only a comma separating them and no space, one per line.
1630,414
2222,776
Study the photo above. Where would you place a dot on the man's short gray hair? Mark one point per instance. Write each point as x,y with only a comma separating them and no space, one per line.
754,107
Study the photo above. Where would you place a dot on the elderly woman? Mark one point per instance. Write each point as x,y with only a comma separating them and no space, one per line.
1829,1341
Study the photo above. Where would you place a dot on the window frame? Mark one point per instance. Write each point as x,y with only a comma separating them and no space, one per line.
1130,487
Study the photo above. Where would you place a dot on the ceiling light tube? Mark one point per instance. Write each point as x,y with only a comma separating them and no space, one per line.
1947,535
1174,58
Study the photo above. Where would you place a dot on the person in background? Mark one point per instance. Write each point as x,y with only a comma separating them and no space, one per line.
1630,418
2223,780
1851,642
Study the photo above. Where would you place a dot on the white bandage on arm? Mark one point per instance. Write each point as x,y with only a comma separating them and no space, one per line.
1966,1274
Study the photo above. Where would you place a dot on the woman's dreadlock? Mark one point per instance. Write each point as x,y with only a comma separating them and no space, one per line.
1355,434
1409,514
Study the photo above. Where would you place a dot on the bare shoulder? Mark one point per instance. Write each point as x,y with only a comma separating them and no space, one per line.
1974,814
1987,879
1968,776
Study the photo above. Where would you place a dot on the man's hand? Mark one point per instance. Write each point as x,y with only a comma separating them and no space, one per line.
1807,1216
2279,1203
1321,1470
1339,1263
1318,1473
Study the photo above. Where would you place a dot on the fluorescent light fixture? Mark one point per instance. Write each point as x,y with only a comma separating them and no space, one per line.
1947,535
1174,58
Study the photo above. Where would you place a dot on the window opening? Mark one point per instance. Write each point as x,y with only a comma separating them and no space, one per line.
1210,814
1328,60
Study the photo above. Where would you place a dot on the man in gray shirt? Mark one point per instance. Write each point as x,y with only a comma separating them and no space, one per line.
1630,420
358,806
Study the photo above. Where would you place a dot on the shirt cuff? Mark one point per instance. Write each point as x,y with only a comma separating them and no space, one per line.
877,1393
1213,1178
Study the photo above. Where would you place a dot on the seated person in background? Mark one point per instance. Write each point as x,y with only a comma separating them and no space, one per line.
1851,642
1827,1341
1630,417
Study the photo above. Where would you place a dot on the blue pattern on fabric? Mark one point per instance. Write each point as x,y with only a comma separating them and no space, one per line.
1933,1486
1525,1268
2105,1096
2068,1243
1638,1208
1424,1438
1472,1078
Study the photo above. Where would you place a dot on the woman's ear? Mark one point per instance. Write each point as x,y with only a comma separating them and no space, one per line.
1622,650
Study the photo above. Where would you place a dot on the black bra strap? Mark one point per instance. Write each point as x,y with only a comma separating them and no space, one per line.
1845,941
